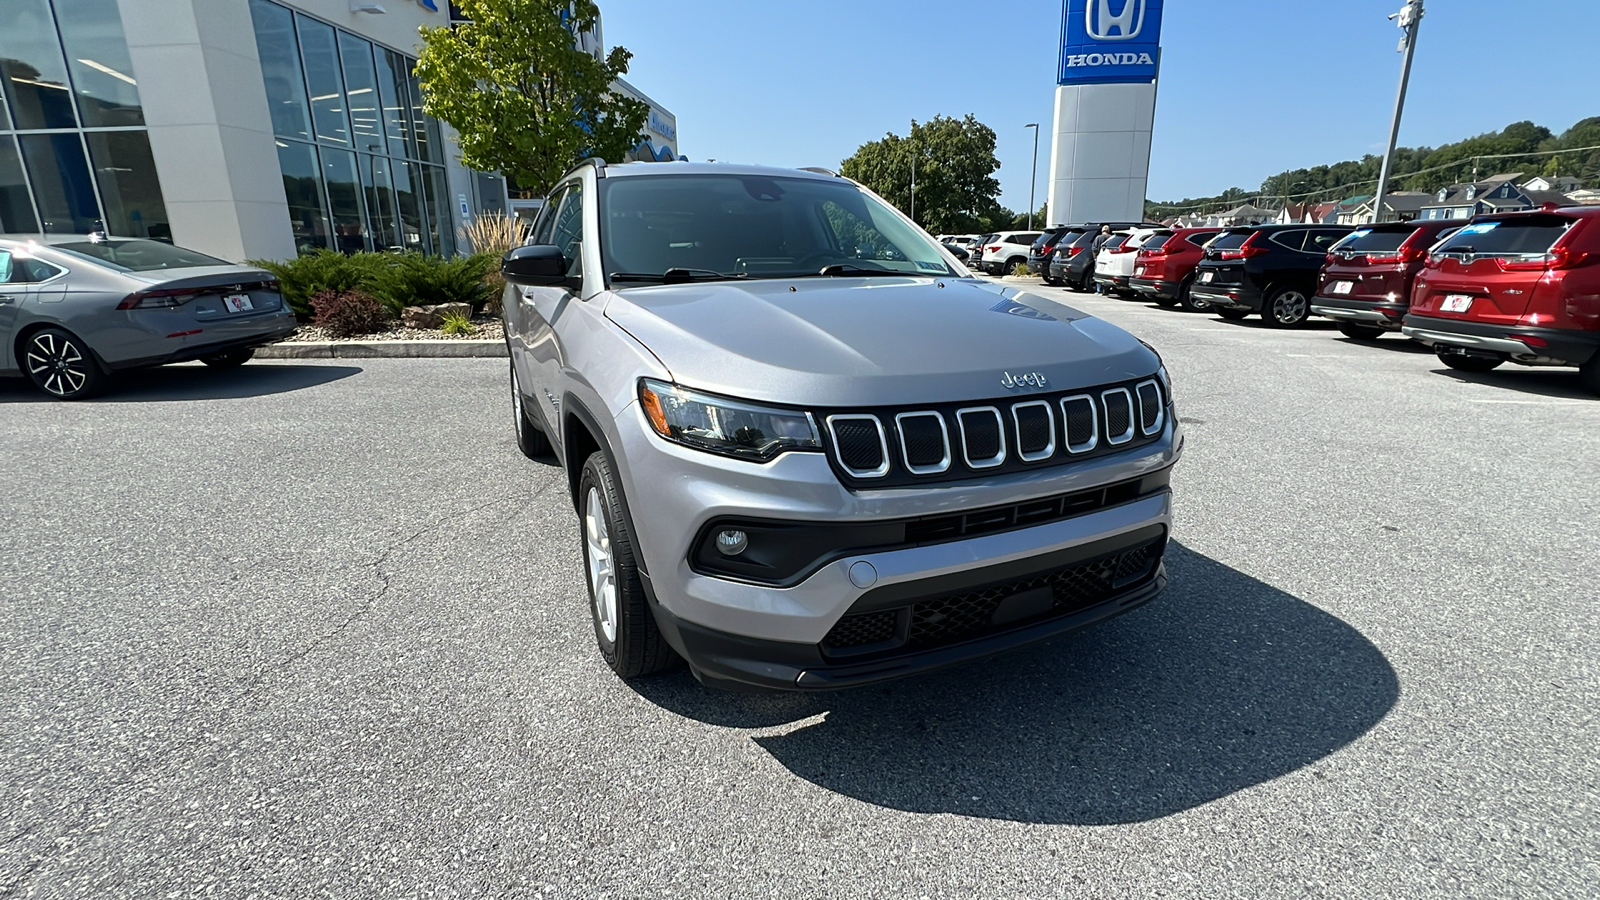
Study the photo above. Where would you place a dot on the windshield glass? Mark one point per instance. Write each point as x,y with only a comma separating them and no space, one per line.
757,226
1522,236
139,256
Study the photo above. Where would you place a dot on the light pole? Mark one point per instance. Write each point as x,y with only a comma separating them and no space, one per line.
1033,173
1409,18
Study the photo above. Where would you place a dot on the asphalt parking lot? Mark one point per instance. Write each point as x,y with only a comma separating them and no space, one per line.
317,629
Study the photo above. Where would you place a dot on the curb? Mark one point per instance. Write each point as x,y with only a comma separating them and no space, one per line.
443,349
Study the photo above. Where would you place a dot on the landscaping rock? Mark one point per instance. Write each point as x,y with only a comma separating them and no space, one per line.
432,316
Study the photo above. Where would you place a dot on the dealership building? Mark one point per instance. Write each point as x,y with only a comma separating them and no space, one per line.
240,128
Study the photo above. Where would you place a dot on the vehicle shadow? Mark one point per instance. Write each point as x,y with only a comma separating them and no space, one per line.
1545,382
1254,321
1393,342
1222,683
193,382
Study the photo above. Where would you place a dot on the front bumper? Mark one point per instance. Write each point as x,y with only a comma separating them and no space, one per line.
1365,312
736,662
1554,346
1161,290
684,490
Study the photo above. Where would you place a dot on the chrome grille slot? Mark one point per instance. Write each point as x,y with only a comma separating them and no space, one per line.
924,442
983,436
862,447
1119,415
1082,422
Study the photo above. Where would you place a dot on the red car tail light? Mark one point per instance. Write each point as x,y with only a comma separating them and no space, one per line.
157,299
1123,249
1330,259
1531,341
995,248
1246,250
1074,251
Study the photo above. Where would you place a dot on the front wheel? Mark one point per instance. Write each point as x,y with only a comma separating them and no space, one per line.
1463,363
626,632
1286,307
232,359
1360,332
59,363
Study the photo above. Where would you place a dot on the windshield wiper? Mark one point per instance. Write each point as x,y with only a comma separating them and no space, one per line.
677,275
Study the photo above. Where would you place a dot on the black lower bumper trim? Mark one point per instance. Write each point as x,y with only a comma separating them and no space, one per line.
735,662
1246,299
1568,345
1161,290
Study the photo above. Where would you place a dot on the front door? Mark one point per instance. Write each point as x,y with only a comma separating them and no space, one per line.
540,308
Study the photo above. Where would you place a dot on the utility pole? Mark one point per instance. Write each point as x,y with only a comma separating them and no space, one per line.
1033,173
1410,20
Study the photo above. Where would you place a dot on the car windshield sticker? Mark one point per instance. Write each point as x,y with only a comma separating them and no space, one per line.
1479,228
929,266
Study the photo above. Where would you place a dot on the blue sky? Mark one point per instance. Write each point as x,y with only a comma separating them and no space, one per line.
1248,87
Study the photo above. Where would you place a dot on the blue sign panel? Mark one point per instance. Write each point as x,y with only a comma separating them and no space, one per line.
1110,42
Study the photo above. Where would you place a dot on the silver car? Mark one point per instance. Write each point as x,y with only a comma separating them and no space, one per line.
807,449
75,309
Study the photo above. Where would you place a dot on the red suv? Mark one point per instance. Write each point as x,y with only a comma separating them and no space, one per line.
1164,269
1367,280
1518,287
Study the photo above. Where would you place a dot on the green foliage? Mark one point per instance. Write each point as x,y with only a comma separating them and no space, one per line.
456,323
956,188
1453,164
412,279
525,99
348,313
1020,269
305,276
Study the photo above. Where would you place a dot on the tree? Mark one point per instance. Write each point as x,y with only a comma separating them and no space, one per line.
525,99
956,189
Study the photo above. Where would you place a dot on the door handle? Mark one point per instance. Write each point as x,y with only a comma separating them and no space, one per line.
4,301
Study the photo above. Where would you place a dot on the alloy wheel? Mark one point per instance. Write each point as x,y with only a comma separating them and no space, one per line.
1290,307
56,364
602,573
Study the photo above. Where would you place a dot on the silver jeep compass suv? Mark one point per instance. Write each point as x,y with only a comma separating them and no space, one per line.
807,448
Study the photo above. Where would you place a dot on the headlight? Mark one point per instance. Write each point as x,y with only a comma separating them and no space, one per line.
1166,382
724,425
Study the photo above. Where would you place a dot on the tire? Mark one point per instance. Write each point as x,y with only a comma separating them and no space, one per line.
60,364
1232,315
530,440
1589,375
232,359
1286,307
1360,332
1187,299
624,629
1012,263
1462,363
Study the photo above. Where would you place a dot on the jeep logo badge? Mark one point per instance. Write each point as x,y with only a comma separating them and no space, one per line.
1022,379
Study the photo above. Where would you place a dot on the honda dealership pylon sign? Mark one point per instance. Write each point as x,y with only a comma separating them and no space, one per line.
1105,110
1110,41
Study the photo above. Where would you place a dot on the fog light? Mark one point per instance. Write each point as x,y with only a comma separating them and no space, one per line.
732,542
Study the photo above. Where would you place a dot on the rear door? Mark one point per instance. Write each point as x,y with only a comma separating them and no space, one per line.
1488,270
24,281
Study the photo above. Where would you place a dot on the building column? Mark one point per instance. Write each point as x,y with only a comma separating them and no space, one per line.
1100,152
210,132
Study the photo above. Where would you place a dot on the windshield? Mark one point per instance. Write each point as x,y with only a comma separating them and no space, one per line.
756,226
139,256
1522,236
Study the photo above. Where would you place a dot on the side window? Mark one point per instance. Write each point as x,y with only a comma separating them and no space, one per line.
567,230
1320,241
547,217
5,266
1290,239
24,270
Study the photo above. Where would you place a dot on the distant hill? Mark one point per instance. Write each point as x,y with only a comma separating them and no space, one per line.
1421,168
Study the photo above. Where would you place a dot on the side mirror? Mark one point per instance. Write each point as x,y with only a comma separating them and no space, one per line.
540,265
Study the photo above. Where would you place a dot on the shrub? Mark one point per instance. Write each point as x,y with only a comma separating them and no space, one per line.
456,323
348,313
411,279
321,270
1020,269
494,235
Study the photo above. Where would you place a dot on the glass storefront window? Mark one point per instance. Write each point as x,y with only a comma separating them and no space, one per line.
379,191
302,187
16,210
321,55
62,187
428,149
97,54
344,200
361,93
280,69
439,212
395,94
129,190
32,71
408,202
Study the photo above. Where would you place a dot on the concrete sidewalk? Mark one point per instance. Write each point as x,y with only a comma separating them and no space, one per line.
454,349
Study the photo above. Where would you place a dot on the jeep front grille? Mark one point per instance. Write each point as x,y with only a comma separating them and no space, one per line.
890,447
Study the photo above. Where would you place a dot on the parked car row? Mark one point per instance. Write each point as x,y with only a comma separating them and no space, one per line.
1519,287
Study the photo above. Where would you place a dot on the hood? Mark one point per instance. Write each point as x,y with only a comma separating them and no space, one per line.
872,341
